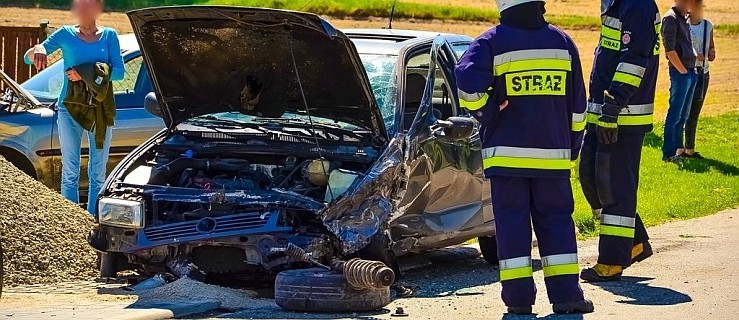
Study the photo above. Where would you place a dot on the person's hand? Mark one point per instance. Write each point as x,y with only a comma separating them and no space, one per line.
700,58
39,57
72,75
683,71
607,126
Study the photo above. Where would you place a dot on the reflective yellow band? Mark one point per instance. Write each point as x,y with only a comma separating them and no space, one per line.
610,44
626,120
561,270
658,45
517,273
626,78
610,33
623,232
534,64
474,105
606,124
537,83
526,163
579,126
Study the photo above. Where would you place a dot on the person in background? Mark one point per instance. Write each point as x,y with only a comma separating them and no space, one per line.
82,44
701,31
523,81
679,50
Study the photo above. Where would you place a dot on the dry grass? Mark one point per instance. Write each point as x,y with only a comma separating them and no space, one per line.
723,95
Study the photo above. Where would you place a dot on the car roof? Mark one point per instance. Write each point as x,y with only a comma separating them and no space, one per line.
392,41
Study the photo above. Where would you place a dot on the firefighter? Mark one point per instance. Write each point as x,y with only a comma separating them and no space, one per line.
619,115
523,82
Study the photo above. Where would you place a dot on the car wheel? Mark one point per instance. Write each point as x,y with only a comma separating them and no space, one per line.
379,250
320,290
489,249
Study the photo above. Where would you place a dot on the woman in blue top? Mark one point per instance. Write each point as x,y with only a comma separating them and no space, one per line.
83,43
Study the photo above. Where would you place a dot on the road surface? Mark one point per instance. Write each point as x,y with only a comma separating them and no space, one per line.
691,276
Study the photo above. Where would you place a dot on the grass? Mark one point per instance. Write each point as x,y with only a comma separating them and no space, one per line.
689,190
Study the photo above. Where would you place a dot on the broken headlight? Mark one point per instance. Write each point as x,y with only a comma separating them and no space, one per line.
121,213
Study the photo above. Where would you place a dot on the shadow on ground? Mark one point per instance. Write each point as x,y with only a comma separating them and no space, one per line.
638,291
652,140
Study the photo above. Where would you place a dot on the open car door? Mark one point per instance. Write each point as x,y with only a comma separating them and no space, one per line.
447,199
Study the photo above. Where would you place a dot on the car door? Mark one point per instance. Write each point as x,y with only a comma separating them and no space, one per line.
133,124
443,204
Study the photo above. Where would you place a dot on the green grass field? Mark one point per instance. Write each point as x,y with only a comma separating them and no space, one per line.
692,189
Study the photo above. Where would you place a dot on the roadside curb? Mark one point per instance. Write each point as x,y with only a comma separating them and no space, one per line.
167,310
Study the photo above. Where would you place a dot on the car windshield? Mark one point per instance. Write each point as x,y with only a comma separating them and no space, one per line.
381,72
47,84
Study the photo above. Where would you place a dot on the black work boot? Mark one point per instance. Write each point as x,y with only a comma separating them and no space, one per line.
641,252
602,273
520,310
581,306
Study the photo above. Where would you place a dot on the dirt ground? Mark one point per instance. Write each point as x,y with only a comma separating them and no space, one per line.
690,277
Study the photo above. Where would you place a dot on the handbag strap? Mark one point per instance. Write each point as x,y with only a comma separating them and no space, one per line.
706,42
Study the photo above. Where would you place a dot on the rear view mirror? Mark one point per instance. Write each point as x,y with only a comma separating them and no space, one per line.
152,105
457,128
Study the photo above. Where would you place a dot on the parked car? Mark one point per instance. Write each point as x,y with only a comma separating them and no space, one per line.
283,130
28,118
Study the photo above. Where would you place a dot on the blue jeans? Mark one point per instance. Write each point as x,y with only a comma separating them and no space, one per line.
70,139
682,87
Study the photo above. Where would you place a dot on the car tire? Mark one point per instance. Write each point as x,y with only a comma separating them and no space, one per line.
320,290
489,249
379,250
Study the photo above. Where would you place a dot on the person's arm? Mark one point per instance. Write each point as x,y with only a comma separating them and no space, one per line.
578,102
115,58
712,49
669,40
475,78
37,54
638,20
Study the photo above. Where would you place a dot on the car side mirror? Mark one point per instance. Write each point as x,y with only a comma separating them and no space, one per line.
456,128
151,104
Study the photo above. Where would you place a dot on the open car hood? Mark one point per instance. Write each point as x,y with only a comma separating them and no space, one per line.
212,59
19,95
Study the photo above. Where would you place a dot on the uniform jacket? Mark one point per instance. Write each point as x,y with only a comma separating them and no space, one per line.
91,102
538,71
626,63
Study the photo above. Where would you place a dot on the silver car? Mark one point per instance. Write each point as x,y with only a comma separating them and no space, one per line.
28,118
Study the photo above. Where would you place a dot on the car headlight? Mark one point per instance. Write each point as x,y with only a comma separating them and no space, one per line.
121,213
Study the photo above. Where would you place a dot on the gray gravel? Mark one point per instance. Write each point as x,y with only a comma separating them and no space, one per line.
43,235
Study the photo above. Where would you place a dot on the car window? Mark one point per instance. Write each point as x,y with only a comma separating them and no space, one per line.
128,84
417,69
460,48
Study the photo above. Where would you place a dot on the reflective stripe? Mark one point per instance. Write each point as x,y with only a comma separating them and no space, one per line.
557,54
516,152
515,263
557,259
617,220
536,83
534,64
516,268
617,231
626,120
610,33
626,78
560,264
631,69
610,44
472,101
578,121
611,22
526,163
606,124
632,109
658,30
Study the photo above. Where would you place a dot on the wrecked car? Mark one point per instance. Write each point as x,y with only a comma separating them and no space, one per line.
285,132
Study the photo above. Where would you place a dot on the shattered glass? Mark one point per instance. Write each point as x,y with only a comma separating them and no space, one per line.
381,72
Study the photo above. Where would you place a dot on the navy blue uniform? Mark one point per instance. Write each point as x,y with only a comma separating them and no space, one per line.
528,147
626,65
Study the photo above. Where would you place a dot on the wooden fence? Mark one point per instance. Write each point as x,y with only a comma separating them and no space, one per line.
14,41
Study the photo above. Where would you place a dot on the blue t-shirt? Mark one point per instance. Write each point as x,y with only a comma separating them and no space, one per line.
75,51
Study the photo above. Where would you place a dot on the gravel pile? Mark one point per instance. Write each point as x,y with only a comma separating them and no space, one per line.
43,235
186,289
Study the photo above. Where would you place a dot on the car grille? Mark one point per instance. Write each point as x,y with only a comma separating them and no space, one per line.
226,225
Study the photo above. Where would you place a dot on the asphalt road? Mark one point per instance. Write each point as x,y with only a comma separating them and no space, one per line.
691,276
